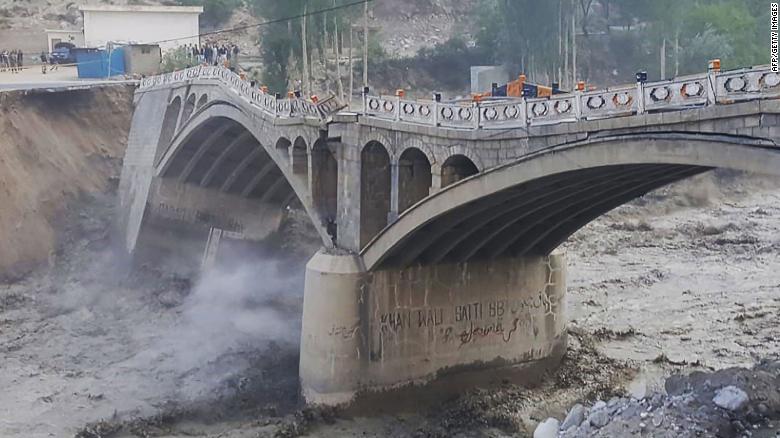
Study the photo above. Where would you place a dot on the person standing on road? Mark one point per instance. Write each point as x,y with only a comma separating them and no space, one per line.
12,61
19,60
43,62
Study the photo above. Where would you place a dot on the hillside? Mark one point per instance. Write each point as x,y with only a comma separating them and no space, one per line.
53,148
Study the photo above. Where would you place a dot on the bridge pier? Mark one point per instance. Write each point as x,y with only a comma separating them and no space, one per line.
370,332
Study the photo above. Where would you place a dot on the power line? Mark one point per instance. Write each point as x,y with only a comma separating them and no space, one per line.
269,22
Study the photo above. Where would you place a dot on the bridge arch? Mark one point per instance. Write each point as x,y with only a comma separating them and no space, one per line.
189,107
283,148
455,168
222,148
170,121
202,100
414,177
532,205
300,158
324,185
375,189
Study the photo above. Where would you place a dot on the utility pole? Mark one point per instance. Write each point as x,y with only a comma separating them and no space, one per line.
351,71
560,42
565,77
336,44
663,58
365,44
574,48
307,79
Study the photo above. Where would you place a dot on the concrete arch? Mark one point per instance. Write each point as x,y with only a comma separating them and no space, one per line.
325,173
170,120
283,146
562,187
300,158
455,168
258,170
189,107
385,140
414,178
467,152
375,190
202,100
420,146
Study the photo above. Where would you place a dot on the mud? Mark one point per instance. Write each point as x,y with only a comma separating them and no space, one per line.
54,146
675,284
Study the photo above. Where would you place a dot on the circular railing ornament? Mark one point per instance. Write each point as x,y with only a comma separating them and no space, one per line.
373,104
562,106
408,108
425,110
539,109
692,89
464,114
490,114
596,102
660,93
388,106
511,112
736,84
447,113
770,80
622,99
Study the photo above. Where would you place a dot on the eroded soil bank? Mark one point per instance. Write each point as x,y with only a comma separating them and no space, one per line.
54,146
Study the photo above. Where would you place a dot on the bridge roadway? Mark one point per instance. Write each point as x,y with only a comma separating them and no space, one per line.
439,220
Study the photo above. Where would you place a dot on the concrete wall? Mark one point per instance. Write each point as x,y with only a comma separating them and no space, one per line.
142,60
141,24
376,331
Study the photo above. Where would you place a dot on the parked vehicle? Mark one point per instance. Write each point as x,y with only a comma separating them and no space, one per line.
62,55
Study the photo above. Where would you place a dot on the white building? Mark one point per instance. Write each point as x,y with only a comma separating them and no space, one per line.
57,36
170,26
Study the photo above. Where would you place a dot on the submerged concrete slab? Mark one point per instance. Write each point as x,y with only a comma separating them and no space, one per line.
365,333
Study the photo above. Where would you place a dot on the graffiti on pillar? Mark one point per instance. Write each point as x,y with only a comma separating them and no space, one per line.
462,324
344,332
411,319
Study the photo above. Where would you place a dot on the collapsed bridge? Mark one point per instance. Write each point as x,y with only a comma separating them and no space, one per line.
438,220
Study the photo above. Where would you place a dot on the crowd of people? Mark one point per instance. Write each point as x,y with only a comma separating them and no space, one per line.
12,61
213,54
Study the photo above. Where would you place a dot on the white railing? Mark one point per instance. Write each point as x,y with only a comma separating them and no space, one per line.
707,89
269,104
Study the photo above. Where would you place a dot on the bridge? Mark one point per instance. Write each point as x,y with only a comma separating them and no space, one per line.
439,220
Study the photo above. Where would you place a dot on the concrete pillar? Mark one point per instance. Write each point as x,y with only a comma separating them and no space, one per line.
333,335
450,325
435,179
394,187
348,217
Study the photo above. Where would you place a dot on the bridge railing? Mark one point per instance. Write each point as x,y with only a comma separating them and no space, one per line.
714,88
268,103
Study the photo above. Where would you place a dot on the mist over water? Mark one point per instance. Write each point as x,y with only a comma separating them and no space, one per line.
233,314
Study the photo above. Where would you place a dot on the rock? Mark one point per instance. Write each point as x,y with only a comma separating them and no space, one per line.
730,398
638,389
598,417
547,429
598,405
575,417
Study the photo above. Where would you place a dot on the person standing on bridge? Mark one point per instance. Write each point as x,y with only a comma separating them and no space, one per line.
19,60
43,62
12,61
